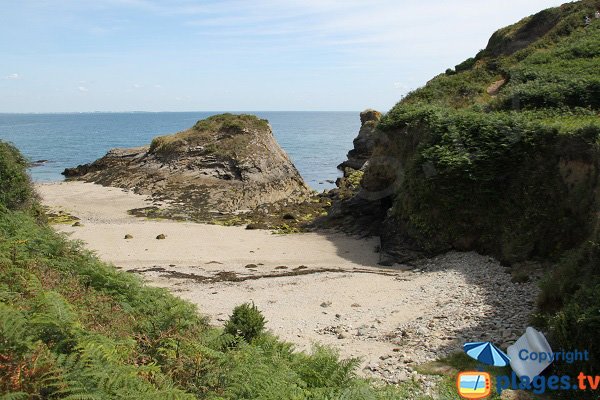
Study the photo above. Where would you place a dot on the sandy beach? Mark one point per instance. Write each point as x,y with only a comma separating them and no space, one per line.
318,287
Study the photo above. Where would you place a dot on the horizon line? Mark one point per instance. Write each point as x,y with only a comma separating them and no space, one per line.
151,112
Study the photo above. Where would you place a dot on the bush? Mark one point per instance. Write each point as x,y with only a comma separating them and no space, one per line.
15,188
246,321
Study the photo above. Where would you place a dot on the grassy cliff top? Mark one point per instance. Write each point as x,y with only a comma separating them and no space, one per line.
223,134
546,63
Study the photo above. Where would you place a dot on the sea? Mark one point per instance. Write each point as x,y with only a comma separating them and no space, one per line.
315,141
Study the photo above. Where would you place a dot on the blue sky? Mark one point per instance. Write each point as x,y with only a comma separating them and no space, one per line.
192,55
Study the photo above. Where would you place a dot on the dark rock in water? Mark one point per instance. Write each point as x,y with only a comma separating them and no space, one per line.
37,163
223,164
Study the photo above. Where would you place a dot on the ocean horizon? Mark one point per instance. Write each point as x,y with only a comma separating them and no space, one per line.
316,141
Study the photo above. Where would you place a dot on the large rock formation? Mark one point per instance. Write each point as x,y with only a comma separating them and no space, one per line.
364,143
513,173
353,211
223,164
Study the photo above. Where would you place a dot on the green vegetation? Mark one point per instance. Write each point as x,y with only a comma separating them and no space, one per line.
73,327
246,322
501,154
224,135
15,190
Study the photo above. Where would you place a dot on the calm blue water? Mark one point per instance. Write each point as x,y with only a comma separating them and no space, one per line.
315,141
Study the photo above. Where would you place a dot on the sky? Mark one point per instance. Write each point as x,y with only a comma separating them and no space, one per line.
230,55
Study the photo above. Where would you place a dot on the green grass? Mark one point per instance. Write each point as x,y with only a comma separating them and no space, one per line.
225,135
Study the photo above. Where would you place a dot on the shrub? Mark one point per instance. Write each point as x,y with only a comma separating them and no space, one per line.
15,188
246,321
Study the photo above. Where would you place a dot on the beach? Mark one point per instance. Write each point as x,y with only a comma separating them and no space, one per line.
313,288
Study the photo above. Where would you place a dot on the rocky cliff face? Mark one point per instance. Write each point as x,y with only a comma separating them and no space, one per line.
512,172
353,208
364,143
223,164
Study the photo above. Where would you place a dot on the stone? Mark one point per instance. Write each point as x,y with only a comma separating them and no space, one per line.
326,304
128,236
161,237
364,143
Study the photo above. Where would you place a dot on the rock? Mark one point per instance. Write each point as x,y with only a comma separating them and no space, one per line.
37,163
342,335
355,305
77,223
257,226
326,304
362,331
128,236
222,164
364,142
509,394
251,266
281,267
161,237
289,216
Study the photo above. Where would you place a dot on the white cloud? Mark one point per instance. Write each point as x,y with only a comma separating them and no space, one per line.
82,89
13,77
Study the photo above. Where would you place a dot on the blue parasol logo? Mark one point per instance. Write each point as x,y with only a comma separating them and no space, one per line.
486,353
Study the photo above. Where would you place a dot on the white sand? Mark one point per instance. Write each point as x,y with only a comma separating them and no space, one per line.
358,308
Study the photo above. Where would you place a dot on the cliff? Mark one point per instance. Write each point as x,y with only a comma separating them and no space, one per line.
223,164
364,143
501,155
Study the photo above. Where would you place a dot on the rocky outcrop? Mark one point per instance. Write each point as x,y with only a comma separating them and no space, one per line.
364,142
223,164
353,208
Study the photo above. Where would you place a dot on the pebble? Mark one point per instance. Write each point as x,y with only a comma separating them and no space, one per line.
469,298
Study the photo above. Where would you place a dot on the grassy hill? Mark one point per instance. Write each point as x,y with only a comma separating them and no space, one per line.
73,327
501,155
